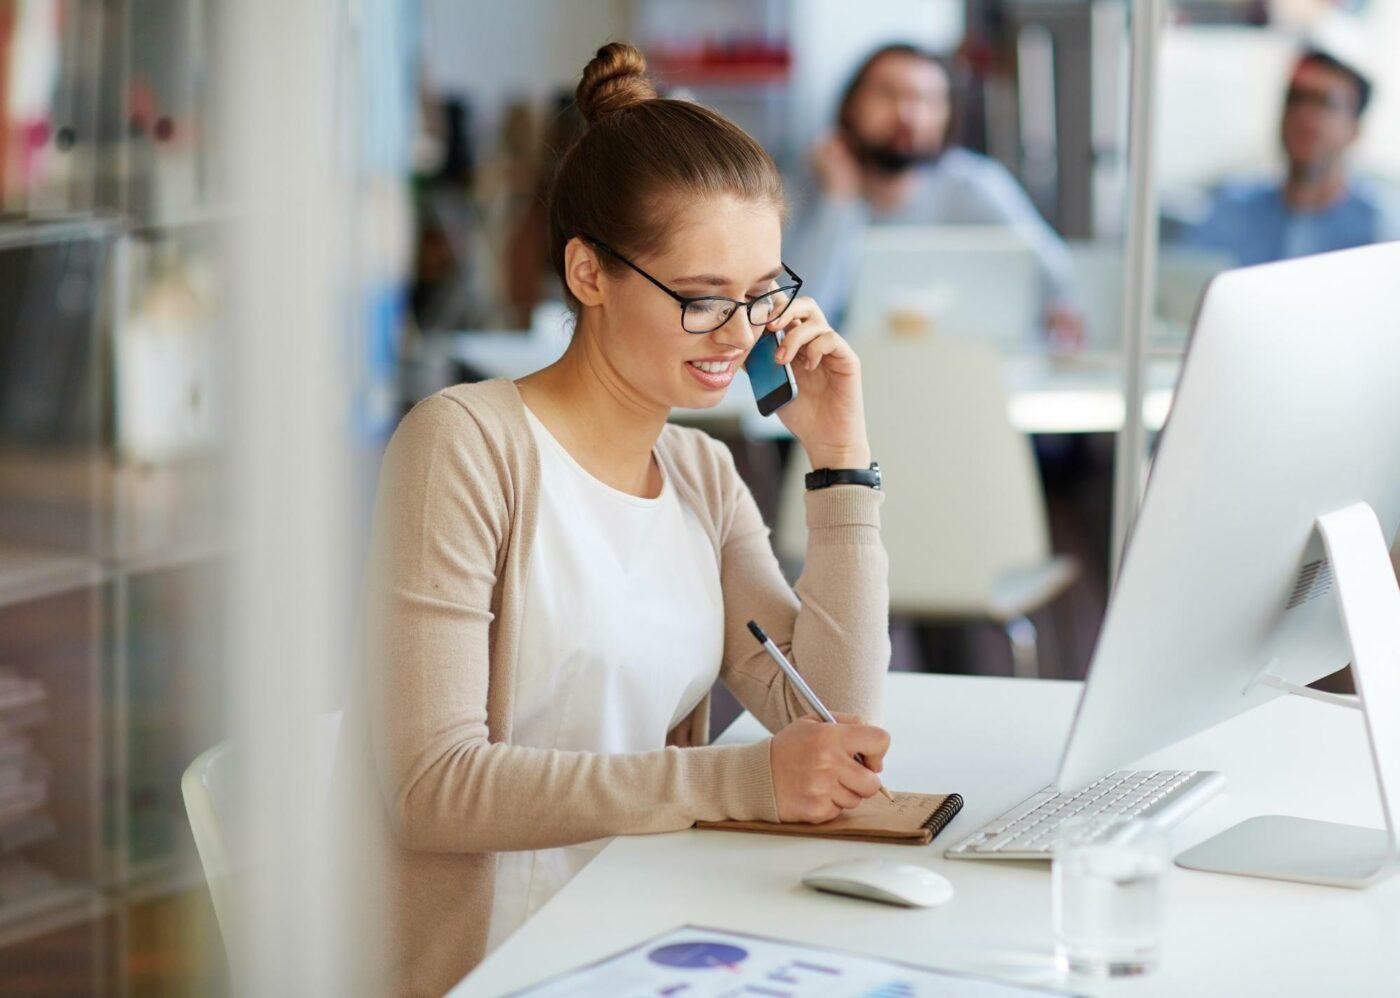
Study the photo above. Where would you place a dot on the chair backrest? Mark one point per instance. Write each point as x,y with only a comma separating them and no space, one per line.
210,785
963,497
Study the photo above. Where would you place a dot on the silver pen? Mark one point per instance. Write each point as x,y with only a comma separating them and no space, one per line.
800,684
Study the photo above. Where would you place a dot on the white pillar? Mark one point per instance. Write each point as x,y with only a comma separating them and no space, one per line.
1130,456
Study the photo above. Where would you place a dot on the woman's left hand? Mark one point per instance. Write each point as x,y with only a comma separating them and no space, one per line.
828,415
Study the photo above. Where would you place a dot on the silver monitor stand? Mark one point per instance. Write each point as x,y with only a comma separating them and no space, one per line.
1324,852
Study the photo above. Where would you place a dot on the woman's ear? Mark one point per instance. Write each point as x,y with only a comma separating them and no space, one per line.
582,272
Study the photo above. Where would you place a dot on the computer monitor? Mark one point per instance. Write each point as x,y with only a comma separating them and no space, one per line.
1182,276
961,280
1288,408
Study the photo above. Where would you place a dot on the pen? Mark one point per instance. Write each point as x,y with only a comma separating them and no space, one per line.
803,689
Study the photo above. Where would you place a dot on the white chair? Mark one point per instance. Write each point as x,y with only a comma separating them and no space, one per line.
964,515
210,785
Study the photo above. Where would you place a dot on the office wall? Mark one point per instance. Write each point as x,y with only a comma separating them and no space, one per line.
525,48
1219,98
1380,143
830,37
1221,95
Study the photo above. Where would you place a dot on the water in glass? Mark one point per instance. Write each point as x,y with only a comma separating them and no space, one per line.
1108,896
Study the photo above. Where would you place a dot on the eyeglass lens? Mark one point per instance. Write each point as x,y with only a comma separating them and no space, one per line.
705,315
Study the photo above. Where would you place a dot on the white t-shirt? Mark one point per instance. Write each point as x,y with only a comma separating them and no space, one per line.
622,635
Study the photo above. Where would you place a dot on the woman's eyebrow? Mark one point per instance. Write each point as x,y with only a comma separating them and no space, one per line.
716,281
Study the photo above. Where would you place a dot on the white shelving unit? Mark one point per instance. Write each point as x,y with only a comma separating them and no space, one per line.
110,555
33,573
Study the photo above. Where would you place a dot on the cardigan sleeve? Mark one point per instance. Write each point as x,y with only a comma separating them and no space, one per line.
442,521
833,625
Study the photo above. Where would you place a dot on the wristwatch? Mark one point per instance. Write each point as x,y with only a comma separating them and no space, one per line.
826,477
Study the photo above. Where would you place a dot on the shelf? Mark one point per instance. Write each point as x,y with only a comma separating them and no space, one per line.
22,231
177,554
160,878
28,574
199,216
56,908
738,77
164,516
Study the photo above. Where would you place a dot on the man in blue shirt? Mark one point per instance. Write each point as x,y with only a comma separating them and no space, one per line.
890,162
1318,207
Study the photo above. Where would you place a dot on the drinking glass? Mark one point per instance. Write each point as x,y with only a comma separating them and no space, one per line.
1108,896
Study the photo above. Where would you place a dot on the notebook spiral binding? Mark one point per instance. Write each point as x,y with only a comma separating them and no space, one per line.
943,813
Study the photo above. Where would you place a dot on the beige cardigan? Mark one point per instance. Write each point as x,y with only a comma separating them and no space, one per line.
429,733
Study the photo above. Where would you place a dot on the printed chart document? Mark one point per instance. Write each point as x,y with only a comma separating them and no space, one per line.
692,962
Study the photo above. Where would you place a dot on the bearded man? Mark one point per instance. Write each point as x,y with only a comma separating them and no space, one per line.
891,161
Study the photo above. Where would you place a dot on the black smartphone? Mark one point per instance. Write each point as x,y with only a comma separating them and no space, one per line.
773,384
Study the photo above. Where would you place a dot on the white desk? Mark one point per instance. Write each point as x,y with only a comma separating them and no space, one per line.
1044,395
996,741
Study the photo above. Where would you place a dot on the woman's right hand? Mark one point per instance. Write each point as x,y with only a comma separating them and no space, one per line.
815,774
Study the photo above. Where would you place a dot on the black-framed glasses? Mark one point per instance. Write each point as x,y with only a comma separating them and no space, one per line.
708,313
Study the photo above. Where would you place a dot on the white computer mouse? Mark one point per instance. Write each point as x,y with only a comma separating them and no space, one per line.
906,884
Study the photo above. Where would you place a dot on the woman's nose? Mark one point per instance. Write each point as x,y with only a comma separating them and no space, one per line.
737,331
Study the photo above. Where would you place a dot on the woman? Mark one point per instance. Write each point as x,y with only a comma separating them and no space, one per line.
561,575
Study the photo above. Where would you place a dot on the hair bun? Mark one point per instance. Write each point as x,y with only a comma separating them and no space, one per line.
615,79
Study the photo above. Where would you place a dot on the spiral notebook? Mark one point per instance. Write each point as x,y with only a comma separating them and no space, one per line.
913,819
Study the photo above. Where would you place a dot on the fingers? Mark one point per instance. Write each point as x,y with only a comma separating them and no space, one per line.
803,310
845,798
818,346
794,340
815,773
859,780
847,718
869,741
808,338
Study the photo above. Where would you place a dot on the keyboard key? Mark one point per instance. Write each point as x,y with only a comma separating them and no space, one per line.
1029,829
1016,813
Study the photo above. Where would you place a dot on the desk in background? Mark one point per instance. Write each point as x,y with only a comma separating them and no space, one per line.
1045,395
996,741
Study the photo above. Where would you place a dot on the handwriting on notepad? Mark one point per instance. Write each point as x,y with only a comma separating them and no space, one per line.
908,810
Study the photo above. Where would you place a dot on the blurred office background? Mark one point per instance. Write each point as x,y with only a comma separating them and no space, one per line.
238,241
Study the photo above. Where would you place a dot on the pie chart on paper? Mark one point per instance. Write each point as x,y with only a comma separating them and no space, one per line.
698,955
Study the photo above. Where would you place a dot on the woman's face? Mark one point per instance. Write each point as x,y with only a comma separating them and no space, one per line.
724,247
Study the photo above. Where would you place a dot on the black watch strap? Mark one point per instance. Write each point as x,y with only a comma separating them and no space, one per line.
824,478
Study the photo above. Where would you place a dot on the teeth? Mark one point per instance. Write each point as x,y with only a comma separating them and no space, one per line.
711,366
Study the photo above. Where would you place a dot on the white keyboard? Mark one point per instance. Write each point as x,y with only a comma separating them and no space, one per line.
1027,831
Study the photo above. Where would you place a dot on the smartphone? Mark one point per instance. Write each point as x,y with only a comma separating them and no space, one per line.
773,384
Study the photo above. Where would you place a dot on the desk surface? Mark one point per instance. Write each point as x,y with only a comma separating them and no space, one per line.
996,741
1044,395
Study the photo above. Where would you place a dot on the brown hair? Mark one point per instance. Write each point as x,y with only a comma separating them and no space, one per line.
1358,80
641,157
857,80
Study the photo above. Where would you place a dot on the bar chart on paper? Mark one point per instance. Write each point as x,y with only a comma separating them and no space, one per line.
692,962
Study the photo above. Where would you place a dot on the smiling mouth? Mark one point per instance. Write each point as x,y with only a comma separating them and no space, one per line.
712,375
712,366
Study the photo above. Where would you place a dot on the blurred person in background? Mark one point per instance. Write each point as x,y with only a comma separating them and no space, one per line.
891,161
560,575
1319,206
